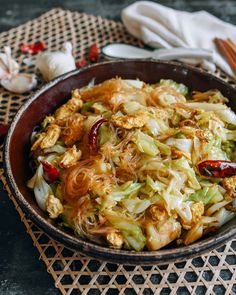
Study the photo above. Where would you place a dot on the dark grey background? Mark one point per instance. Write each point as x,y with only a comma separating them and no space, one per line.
21,273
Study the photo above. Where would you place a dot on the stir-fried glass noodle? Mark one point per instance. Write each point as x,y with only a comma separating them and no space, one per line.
137,166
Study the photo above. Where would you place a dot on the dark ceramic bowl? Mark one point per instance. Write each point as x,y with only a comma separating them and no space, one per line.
55,93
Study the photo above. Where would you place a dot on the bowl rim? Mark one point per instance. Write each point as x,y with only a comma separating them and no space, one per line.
91,249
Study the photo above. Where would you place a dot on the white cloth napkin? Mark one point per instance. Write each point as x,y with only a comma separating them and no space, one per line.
162,27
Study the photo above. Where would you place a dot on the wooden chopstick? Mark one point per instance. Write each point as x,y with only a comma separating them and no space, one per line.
231,44
228,50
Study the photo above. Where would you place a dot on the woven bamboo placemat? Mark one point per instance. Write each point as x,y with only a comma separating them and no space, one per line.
213,273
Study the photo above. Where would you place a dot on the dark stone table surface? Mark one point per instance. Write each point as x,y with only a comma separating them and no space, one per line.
21,273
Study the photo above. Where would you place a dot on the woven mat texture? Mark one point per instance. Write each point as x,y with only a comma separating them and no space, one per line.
213,273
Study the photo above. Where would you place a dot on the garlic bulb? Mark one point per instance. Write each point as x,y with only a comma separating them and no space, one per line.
10,78
54,64
20,83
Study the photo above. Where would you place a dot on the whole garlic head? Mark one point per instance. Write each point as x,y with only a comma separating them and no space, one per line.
54,64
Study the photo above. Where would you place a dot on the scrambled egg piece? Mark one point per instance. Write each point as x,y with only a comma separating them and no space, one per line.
158,113
157,213
54,206
73,130
70,157
115,239
229,185
73,105
177,154
102,91
136,120
165,96
47,139
197,210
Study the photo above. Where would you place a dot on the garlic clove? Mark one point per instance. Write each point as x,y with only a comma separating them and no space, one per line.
4,74
20,83
8,66
54,64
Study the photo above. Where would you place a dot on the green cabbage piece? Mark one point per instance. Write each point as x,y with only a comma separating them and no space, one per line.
183,165
205,194
179,87
87,107
124,190
156,126
136,205
130,230
145,143
215,153
134,83
230,134
131,107
183,144
207,106
156,186
45,122
105,134
40,187
224,216
57,148
227,116
228,147
164,148
159,236
99,107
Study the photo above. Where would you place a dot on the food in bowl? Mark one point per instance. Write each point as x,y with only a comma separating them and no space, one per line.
137,166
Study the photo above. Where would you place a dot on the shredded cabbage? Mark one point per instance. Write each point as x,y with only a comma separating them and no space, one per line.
208,194
125,190
145,143
132,233
185,145
41,188
136,205
179,87
134,181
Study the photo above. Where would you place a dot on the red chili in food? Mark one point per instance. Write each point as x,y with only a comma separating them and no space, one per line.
217,168
81,63
93,53
3,131
50,173
93,134
33,48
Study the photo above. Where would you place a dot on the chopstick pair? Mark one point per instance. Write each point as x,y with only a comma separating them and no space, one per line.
228,50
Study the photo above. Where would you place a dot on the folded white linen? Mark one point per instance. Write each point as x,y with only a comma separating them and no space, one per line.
162,27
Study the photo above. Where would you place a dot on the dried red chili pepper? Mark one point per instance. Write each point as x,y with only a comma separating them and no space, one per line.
33,48
50,173
93,134
217,168
3,131
93,54
81,63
